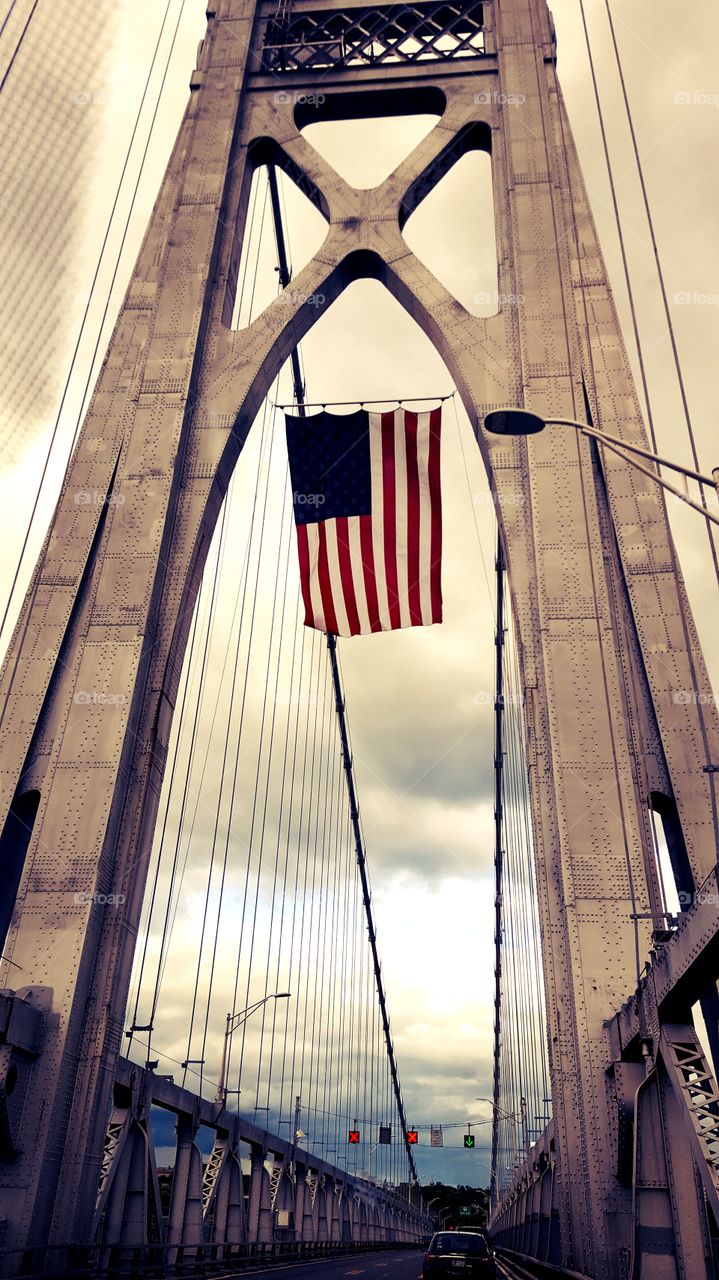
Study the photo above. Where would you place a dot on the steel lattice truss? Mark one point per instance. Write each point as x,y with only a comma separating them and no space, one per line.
381,34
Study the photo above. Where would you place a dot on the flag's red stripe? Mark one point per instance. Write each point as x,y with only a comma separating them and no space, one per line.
415,605
303,549
435,499
323,573
389,504
370,585
348,586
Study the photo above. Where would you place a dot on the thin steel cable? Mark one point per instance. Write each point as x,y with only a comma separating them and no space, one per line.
313,654
672,550
83,322
318,988
211,864
302,650
532,878
275,878
227,840
308,643
305,844
81,415
163,831
240,596
250,844
231,704
19,44
244,577
243,705
662,283
166,927
314,837
334,932
8,16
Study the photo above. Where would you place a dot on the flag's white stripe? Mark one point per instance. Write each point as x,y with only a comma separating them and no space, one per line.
375,449
313,543
425,518
401,516
338,595
353,528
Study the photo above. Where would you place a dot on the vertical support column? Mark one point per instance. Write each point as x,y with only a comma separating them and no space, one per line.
259,1226
229,1220
308,1215
337,1211
324,1191
184,1224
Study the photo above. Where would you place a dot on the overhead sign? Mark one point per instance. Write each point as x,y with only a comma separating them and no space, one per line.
412,1137
469,1141
465,1211
435,1136
354,1137
385,1135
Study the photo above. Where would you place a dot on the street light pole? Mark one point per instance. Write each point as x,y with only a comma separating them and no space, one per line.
506,1115
520,1123
296,1132
522,422
235,1020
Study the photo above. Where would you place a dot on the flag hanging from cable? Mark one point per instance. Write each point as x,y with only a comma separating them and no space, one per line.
368,513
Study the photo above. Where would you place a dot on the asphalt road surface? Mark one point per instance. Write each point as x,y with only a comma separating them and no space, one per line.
405,1264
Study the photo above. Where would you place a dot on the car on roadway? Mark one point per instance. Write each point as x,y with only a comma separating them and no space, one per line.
458,1253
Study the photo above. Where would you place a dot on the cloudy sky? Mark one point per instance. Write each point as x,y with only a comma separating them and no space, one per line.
418,701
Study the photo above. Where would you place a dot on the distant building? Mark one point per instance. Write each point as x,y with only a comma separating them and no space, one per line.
52,63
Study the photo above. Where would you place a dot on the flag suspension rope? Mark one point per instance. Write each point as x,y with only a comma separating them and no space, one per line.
339,404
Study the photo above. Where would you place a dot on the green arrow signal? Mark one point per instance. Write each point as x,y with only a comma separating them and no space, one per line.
469,1141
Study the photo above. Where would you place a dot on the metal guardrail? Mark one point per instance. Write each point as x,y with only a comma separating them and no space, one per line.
521,1267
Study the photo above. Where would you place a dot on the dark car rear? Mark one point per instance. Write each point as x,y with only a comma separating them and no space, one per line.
458,1253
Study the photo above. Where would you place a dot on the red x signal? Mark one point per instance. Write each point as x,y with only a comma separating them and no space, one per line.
353,1138
412,1137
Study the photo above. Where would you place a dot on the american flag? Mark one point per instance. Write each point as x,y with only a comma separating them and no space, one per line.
366,496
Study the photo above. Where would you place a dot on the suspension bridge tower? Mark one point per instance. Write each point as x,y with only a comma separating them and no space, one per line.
604,628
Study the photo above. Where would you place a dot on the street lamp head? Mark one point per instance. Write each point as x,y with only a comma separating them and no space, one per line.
513,422
283,995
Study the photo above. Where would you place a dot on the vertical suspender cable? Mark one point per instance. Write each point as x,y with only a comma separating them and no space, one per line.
660,277
18,46
672,549
498,857
625,265
58,416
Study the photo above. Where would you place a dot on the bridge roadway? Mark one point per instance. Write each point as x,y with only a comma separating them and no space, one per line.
394,1265
402,1265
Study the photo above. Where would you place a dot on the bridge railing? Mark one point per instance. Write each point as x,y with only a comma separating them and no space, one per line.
525,1218
208,1210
